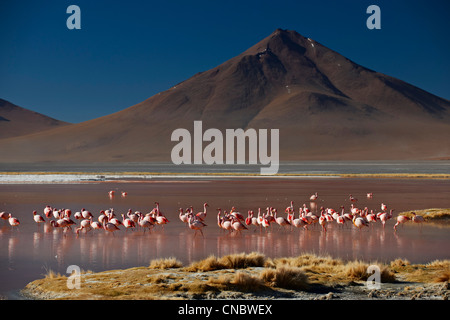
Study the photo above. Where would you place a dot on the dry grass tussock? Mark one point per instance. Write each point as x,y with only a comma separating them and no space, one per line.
253,272
233,261
430,214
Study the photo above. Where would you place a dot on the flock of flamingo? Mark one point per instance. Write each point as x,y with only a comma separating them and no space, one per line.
232,221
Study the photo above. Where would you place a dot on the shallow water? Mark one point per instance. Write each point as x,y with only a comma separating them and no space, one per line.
29,251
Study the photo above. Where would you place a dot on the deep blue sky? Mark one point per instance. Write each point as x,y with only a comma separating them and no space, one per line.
128,51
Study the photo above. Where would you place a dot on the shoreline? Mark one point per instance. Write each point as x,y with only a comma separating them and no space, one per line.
126,177
253,276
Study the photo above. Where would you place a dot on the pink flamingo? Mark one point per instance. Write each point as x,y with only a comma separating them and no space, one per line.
360,222
110,227
369,195
183,216
400,220
371,217
196,224
86,214
102,217
145,223
248,220
352,198
127,222
416,218
48,211
133,216
77,215
202,214
237,225
14,222
4,215
38,218
219,218
282,222
236,214
323,220
383,207
84,224
314,197
95,225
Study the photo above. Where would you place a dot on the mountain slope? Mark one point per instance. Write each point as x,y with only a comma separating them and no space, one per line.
17,121
325,105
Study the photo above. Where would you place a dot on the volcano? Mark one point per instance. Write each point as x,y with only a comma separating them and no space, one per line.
326,107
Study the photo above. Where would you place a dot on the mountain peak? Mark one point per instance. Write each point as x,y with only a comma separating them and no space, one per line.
326,107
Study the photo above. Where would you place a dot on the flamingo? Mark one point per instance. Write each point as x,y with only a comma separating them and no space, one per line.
110,227
161,220
400,219
298,222
265,223
371,217
102,217
124,194
57,214
236,214
237,225
133,216
48,211
219,218
416,218
254,220
38,218
369,195
77,215
383,216
86,214
127,222
260,217
248,220
84,224
352,198
323,220
282,222
202,214
313,197
290,208
14,222
183,216
144,223
4,215
360,222
196,224
383,207
340,220
95,225
115,222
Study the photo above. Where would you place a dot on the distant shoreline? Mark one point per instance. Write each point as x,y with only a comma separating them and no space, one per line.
150,175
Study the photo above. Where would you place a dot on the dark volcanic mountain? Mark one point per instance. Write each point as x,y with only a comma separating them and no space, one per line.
16,121
326,107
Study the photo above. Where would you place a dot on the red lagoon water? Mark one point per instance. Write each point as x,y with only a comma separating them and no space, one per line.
29,251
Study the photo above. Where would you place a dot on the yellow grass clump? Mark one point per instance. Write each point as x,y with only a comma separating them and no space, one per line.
286,277
232,261
165,263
